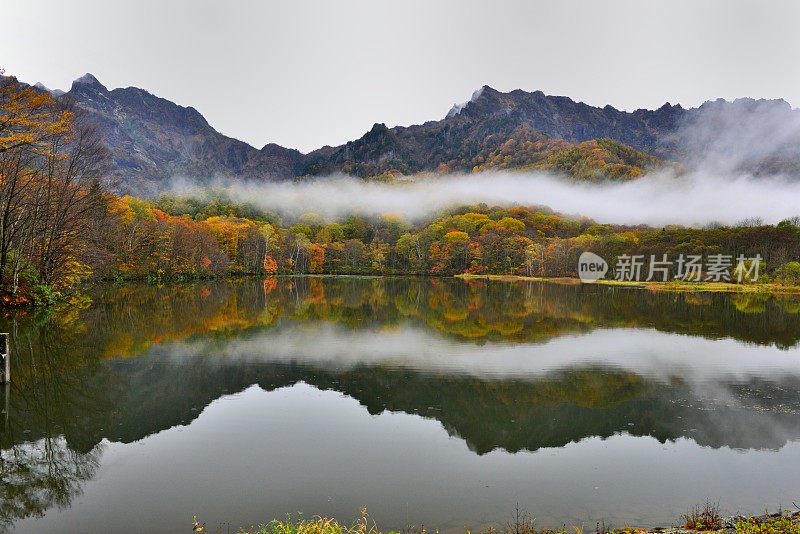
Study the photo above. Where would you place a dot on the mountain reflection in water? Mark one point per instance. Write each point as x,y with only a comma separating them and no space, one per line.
501,366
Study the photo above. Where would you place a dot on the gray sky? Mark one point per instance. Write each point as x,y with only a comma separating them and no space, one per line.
308,73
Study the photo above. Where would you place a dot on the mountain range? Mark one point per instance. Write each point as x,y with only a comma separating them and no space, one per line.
152,140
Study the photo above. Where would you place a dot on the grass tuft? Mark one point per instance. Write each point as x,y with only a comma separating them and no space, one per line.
705,517
317,525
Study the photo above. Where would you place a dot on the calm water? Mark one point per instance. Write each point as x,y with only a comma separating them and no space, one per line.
439,402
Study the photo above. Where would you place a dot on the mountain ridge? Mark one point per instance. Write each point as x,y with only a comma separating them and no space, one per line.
153,140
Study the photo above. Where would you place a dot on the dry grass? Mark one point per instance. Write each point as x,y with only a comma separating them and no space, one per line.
317,525
706,517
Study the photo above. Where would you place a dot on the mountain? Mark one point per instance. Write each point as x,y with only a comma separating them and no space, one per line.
468,146
152,140
474,131
523,130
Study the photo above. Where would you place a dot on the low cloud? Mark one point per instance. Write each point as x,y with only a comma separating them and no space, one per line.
744,136
693,199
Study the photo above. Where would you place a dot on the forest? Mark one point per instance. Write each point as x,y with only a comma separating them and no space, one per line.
59,229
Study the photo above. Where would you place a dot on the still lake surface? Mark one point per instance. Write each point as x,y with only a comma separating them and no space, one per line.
441,402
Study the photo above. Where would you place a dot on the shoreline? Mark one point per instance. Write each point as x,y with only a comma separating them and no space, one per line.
705,520
25,301
678,287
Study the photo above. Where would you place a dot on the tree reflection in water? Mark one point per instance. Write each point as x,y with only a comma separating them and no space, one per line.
46,400
145,358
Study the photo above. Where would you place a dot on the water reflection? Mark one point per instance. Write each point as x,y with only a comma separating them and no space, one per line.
42,474
501,366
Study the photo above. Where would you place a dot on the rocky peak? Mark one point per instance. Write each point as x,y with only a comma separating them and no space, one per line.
42,87
379,131
477,95
88,81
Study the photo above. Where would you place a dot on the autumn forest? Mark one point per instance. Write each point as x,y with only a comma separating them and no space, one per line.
59,228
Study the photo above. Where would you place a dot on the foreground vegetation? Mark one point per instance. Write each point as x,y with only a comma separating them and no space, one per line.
59,229
700,519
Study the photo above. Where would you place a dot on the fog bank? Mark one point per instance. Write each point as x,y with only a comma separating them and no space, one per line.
657,199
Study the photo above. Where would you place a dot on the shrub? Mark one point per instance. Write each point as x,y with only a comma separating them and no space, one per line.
788,273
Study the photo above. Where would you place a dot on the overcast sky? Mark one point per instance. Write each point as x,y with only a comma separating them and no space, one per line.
308,73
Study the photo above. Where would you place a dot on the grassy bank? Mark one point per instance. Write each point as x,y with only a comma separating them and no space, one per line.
704,518
715,287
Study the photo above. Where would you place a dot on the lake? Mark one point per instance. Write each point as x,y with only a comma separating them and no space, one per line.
440,402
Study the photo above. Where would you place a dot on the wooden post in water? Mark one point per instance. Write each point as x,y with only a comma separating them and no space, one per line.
6,406
5,355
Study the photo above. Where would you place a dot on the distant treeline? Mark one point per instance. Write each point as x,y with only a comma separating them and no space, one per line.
194,237
58,228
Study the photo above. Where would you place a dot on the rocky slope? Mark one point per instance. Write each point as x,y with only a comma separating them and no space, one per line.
153,140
